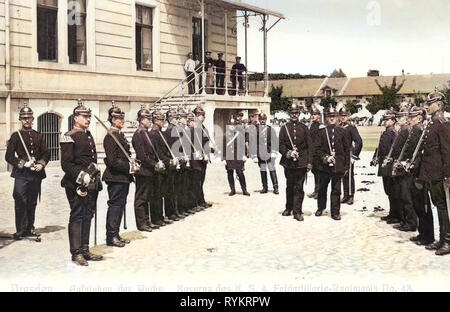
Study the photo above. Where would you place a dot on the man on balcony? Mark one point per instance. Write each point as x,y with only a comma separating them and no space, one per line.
220,74
237,74
189,68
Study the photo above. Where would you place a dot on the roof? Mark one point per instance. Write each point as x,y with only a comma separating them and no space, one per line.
247,7
359,86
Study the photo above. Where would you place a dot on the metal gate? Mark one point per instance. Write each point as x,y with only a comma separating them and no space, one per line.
48,126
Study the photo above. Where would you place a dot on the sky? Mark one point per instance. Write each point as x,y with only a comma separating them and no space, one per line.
319,36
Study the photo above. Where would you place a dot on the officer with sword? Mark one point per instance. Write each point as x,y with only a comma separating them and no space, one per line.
82,181
28,154
120,168
296,151
434,168
333,149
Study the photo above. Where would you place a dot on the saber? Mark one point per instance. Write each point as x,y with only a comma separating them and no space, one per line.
174,162
125,218
132,162
190,142
350,175
201,145
160,164
182,145
388,158
164,207
95,226
292,143
32,159
329,146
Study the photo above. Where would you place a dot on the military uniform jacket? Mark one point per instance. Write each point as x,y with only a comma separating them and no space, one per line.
195,134
220,67
238,69
173,140
117,164
435,159
160,146
234,148
144,152
340,144
78,151
264,137
384,147
400,142
300,137
15,152
314,136
355,139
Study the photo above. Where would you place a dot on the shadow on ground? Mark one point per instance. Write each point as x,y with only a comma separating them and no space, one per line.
7,239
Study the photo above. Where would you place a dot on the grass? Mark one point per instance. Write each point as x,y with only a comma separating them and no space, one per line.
371,137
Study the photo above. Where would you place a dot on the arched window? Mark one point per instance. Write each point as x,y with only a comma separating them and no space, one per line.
48,126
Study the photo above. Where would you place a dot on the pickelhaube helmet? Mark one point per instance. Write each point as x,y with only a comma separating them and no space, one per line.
404,112
332,112
115,112
344,112
436,97
262,116
171,114
417,111
294,108
198,111
82,110
190,117
315,111
182,113
143,113
25,112
390,114
158,115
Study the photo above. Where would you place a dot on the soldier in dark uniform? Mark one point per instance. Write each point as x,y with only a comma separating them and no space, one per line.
220,74
234,155
356,148
434,166
196,163
313,134
118,176
146,155
333,148
296,158
384,148
175,183
162,197
207,147
399,186
267,153
237,72
82,181
28,172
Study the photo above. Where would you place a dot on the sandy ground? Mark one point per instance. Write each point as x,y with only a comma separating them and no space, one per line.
240,244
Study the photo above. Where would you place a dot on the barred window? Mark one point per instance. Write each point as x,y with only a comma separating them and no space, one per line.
47,30
144,38
76,23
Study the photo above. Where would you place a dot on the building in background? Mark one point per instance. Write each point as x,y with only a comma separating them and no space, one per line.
53,52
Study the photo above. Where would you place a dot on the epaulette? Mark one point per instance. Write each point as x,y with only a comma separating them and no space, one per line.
67,138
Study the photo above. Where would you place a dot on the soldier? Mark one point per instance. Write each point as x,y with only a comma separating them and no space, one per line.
118,176
207,147
197,166
220,74
313,134
234,155
146,155
174,141
296,158
397,147
162,198
237,75
267,153
384,151
28,154
333,149
434,169
356,145
82,181
209,64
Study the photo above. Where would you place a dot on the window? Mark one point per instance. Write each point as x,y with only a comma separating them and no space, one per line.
48,126
47,18
144,38
197,38
76,23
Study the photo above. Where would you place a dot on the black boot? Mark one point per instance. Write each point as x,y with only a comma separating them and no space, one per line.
445,248
299,217
231,183
88,255
265,189
123,240
243,184
274,178
74,230
114,242
435,246
350,200
345,199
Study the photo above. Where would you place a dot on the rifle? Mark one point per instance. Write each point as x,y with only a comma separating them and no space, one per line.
375,160
398,163
410,164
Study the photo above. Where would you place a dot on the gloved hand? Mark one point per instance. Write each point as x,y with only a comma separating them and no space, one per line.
29,164
244,158
274,155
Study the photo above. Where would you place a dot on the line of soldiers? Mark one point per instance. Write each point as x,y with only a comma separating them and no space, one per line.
414,162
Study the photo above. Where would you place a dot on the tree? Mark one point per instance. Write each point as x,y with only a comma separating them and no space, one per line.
446,92
352,106
388,99
338,74
328,102
309,102
279,102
